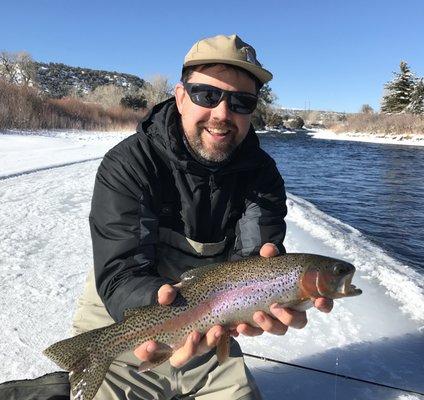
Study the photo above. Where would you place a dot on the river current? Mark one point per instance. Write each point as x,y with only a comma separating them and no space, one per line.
376,188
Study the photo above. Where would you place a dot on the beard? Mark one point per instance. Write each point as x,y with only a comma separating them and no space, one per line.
215,151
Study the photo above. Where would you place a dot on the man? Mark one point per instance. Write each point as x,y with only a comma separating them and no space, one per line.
191,188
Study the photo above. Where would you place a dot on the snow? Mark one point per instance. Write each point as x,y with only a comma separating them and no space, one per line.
32,151
411,140
45,191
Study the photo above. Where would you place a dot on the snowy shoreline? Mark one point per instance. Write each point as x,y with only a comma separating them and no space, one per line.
381,138
31,151
327,134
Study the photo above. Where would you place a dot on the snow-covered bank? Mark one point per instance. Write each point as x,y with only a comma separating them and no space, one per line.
411,140
23,152
46,252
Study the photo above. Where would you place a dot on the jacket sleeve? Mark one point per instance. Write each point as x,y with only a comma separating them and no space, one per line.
263,219
124,235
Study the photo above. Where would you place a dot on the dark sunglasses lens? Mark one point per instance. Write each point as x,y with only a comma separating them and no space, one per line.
205,96
210,96
243,103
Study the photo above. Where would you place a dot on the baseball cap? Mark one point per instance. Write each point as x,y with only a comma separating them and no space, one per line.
227,50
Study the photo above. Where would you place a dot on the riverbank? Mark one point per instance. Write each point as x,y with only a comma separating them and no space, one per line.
401,139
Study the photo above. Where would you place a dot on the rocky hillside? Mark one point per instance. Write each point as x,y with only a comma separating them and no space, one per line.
59,80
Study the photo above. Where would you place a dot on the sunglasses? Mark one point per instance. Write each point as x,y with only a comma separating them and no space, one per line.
210,96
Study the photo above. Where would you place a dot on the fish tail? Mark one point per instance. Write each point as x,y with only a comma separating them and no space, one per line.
87,368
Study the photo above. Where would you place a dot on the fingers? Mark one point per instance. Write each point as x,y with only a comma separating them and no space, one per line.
186,352
248,330
266,323
288,317
166,294
269,250
212,336
269,324
210,340
145,351
195,345
283,319
323,304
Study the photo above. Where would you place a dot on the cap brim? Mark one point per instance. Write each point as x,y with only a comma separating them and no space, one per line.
261,73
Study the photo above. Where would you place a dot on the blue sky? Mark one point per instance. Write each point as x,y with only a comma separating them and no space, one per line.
324,54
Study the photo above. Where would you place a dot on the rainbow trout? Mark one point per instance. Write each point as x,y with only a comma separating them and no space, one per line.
225,294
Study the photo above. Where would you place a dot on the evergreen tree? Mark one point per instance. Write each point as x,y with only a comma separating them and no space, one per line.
398,91
266,99
134,102
416,106
266,95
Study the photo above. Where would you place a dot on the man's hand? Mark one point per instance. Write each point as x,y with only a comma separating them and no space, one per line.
282,318
195,345
277,323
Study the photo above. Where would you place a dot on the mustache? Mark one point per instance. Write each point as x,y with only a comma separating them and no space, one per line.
221,125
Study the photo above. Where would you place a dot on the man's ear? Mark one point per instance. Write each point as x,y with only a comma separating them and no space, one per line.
179,95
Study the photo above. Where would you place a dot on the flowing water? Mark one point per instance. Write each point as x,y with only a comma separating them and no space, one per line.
376,188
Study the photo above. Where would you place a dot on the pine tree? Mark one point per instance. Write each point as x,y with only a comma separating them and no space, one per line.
416,106
266,99
398,91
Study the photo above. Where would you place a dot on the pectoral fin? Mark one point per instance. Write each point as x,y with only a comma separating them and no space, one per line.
223,348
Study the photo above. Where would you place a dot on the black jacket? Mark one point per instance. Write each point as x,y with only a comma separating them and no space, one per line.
157,212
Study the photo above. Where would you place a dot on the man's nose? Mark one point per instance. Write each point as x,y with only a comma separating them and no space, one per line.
221,111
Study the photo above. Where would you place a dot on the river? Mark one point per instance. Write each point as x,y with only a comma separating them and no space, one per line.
376,188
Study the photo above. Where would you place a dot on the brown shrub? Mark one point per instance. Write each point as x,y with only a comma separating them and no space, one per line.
105,95
22,107
382,123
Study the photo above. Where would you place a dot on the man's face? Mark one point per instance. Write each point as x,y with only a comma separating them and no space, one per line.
214,133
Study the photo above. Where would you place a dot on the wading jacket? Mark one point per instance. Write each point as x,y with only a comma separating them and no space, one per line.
157,212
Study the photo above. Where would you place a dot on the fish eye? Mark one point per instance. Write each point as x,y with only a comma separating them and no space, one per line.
340,269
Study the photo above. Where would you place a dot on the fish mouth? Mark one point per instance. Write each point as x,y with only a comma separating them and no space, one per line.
346,289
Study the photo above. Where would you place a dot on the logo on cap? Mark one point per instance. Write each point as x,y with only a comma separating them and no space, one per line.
250,56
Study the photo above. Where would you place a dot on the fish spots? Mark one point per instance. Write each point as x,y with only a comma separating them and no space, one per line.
224,294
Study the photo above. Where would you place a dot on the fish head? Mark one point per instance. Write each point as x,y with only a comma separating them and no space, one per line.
328,277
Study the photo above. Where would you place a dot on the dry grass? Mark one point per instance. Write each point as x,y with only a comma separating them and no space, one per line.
394,124
23,108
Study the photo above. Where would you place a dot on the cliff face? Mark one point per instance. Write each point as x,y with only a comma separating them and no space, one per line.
59,80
